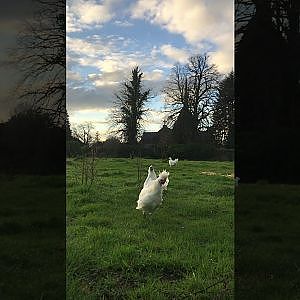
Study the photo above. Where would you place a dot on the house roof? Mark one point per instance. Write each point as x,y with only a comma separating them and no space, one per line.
161,136
149,137
164,129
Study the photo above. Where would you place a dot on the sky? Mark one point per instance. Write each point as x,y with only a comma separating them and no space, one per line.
106,39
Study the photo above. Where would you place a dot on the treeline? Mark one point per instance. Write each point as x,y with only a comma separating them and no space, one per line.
201,117
197,99
114,148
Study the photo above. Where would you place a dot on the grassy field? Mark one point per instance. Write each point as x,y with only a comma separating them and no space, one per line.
32,233
183,251
267,241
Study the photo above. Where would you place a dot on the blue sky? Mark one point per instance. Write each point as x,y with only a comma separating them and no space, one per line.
105,39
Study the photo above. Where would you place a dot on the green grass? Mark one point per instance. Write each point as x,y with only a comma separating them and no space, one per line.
267,241
32,233
183,251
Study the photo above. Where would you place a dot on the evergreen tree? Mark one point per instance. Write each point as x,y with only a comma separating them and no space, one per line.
223,115
129,107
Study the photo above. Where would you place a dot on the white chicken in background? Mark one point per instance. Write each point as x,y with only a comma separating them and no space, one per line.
172,162
151,176
150,197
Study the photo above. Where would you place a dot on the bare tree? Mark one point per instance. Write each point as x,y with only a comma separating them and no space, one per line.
40,57
83,132
129,107
97,137
204,81
177,90
193,87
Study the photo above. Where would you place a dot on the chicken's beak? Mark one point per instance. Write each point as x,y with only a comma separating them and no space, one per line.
162,181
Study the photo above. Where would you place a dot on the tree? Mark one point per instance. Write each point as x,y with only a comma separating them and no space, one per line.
83,132
129,107
97,137
68,128
40,57
284,15
223,115
267,91
193,87
29,144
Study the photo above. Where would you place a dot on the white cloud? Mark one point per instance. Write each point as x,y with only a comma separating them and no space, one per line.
73,75
109,57
91,12
107,78
98,118
123,23
85,48
155,75
154,120
196,20
82,98
176,54
72,25
224,57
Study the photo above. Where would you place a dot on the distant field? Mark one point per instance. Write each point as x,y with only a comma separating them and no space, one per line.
184,250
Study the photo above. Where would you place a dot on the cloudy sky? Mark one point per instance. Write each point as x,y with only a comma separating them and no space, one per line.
105,39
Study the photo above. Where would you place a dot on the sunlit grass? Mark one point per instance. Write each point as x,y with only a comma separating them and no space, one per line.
185,247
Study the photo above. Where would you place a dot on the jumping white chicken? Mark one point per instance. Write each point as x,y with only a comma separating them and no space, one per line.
150,197
172,162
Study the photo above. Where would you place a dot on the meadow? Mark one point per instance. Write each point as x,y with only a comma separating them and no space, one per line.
267,241
32,233
185,250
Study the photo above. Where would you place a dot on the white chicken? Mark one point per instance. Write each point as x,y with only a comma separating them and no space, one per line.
172,162
150,197
151,176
